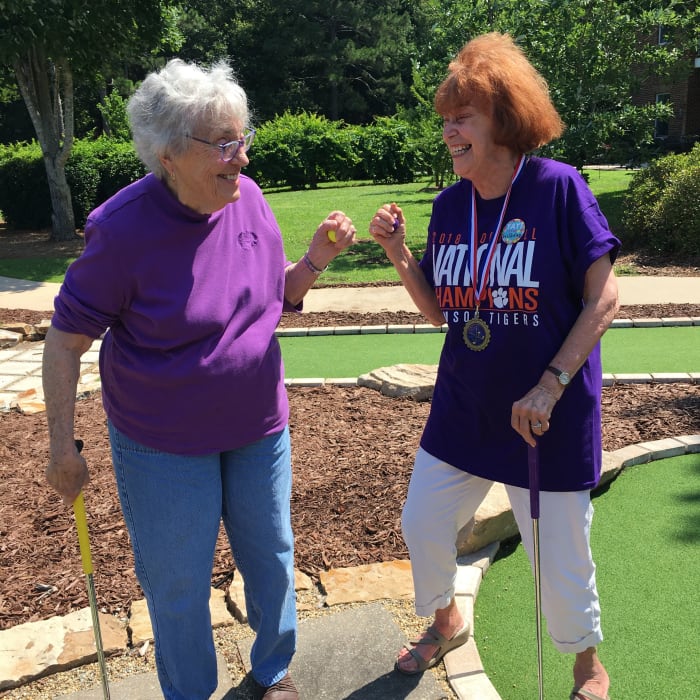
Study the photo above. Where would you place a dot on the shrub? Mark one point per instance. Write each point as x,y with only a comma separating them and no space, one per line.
662,206
24,190
301,150
430,149
388,152
119,166
113,111
95,171
98,169
83,175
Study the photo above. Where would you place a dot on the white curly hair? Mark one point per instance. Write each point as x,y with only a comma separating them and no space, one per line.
175,102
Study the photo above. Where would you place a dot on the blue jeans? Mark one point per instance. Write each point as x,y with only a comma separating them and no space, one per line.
172,506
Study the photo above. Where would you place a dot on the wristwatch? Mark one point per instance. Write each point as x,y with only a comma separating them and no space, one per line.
563,377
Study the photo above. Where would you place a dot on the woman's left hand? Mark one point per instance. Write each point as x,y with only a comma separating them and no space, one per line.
530,415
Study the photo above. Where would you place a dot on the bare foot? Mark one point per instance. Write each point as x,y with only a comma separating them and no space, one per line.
448,622
590,674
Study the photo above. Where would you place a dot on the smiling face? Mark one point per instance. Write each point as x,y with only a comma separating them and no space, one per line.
467,134
198,176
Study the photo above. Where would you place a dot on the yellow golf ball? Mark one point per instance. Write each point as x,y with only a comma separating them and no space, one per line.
331,235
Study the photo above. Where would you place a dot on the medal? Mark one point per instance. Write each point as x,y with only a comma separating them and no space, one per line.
476,333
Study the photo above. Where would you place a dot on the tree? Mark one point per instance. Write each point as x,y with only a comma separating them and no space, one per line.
49,44
590,51
594,56
345,59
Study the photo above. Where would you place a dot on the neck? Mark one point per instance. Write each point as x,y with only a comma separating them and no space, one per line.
497,180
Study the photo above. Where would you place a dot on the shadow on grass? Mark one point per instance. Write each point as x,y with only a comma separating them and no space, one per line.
612,205
367,254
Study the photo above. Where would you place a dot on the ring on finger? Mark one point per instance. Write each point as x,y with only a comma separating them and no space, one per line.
536,426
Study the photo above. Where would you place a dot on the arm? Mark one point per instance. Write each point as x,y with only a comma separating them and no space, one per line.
67,470
394,244
301,275
600,304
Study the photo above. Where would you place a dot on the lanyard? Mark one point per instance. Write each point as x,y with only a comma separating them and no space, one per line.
480,287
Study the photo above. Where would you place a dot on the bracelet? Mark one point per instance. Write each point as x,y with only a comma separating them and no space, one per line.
311,266
547,391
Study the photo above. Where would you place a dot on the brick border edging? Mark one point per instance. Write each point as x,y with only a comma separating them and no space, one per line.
19,332
608,379
388,328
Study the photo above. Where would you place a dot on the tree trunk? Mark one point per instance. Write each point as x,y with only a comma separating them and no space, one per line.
47,89
62,219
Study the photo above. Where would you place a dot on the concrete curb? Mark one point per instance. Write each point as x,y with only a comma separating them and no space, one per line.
387,329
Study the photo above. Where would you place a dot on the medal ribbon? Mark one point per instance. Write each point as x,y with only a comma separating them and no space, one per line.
480,288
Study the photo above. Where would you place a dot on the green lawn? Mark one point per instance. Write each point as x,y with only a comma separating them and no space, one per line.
625,350
609,187
36,269
299,213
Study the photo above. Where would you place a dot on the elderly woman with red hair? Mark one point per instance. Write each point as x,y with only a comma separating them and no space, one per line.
518,263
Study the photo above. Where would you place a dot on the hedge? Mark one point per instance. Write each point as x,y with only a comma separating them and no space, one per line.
292,150
95,171
662,206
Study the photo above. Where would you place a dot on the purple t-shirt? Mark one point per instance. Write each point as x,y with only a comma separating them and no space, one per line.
553,230
190,363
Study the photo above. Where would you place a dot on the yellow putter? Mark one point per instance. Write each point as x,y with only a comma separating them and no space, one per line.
84,541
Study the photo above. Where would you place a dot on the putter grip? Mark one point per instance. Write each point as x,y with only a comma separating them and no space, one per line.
83,538
533,463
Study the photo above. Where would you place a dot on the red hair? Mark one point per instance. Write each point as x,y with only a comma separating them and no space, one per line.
492,73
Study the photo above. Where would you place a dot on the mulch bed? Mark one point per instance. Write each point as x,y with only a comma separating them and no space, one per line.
352,456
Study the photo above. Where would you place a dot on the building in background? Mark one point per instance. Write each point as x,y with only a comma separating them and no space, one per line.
683,129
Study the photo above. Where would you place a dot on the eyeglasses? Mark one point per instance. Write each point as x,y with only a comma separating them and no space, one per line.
228,150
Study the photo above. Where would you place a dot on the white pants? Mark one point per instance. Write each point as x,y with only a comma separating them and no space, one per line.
442,499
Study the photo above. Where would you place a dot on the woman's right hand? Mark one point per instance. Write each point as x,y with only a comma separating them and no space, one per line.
67,472
388,228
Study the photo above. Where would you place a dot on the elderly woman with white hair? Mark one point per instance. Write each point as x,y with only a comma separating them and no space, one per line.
185,271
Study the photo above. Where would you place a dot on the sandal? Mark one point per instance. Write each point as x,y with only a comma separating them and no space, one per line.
581,694
434,638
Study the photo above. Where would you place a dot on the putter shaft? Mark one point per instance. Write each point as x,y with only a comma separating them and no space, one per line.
538,604
533,460
84,541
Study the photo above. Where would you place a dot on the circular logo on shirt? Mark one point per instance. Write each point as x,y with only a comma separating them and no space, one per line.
513,231
247,239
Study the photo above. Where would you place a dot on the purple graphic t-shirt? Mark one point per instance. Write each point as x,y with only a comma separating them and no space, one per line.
553,230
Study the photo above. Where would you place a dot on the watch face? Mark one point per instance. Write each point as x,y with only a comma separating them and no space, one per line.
562,377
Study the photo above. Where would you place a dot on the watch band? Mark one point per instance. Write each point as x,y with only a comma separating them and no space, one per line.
562,376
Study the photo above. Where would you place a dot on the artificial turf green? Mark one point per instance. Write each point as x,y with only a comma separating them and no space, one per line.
646,544
352,355
628,350
662,349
